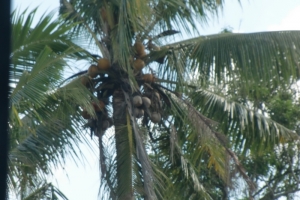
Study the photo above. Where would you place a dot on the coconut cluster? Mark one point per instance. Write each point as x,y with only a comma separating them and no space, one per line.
102,121
93,71
148,104
156,106
103,64
138,63
98,108
145,105
139,52
140,103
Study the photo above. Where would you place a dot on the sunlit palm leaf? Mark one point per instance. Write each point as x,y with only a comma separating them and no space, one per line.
28,42
46,136
252,57
248,127
45,122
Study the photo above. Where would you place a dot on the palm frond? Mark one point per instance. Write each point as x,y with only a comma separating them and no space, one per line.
48,191
248,127
45,122
253,57
183,15
108,189
47,134
29,41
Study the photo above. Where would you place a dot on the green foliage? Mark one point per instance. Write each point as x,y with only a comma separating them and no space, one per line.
46,191
45,123
227,123
201,147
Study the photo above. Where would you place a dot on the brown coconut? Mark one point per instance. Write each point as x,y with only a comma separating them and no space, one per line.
148,78
138,64
139,49
98,107
93,71
137,101
146,102
103,64
155,117
138,113
86,81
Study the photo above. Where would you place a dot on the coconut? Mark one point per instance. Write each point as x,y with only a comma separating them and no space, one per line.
138,113
155,117
143,54
93,71
137,101
149,78
85,114
138,64
139,49
98,107
146,102
103,64
86,81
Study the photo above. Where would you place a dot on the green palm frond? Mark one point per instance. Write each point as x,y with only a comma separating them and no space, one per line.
44,75
45,122
203,136
189,144
44,137
247,126
253,57
108,188
183,16
46,190
28,42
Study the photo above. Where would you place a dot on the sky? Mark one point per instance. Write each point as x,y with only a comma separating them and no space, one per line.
80,181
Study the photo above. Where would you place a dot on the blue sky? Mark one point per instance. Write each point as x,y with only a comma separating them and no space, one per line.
79,182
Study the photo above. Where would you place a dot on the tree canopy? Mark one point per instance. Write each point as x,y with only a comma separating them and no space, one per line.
192,119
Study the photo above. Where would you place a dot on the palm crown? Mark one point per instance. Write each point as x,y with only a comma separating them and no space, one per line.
176,119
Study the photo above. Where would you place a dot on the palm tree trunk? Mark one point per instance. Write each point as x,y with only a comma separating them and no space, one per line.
124,152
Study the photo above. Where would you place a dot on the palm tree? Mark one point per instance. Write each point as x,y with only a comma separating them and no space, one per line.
45,122
183,143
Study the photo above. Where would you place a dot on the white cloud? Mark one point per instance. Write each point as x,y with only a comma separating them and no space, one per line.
290,22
